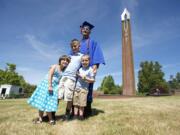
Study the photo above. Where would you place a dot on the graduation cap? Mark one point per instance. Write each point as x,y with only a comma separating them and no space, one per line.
87,24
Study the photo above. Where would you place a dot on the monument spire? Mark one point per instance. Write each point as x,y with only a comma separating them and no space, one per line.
127,56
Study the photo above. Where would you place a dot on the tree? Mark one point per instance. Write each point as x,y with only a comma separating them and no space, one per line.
151,77
9,76
178,77
11,67
174,82
108,86
28,88
102,84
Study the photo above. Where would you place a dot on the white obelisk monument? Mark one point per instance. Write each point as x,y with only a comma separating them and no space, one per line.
127,56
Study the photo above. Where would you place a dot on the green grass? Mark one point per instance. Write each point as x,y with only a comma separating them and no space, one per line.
126,116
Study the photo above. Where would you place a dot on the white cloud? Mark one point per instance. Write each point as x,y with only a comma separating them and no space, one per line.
158,32
23,69
69,13
72,9
112,50
130,4
31,75
48,51
171,65
114,74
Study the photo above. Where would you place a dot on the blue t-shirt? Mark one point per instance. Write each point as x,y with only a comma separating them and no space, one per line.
82,84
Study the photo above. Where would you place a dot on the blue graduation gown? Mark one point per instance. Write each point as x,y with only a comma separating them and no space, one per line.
94,51
91,48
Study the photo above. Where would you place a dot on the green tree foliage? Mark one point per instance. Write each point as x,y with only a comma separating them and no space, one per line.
174,82
29,88
108,86
10,67
151,77
10,76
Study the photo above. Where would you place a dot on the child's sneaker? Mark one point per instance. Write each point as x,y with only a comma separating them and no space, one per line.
66,117
81,118
75,117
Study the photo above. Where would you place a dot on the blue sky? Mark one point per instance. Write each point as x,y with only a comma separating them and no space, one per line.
34,33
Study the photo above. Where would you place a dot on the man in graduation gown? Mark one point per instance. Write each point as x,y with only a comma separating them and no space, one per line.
92,48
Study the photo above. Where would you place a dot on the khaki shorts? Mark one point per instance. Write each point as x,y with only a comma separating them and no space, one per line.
66,88
80,98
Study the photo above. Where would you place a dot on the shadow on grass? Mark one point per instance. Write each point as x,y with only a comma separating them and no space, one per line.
57,118
95,112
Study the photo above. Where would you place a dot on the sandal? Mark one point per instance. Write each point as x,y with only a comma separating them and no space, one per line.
52,122
37,121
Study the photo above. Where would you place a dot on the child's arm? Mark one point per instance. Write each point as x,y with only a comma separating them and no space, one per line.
88,79
50,75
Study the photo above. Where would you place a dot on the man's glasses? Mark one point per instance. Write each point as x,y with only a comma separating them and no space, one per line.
86,28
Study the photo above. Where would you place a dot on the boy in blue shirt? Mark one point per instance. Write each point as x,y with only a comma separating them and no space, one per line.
85,76
68,81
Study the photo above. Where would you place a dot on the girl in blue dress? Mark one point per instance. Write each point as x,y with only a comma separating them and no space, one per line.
45,96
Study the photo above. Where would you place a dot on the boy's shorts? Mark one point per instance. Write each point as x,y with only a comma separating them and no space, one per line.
80,98
66,89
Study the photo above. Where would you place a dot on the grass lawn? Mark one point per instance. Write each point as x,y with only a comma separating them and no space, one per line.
125,116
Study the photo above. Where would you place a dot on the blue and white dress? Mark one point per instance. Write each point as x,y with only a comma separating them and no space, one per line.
42,99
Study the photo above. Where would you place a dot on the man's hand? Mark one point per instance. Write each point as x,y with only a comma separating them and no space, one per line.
95,69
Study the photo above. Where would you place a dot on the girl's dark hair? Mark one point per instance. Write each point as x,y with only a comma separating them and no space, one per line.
64,57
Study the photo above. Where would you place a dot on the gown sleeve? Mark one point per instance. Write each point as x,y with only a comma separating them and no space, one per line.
98,57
